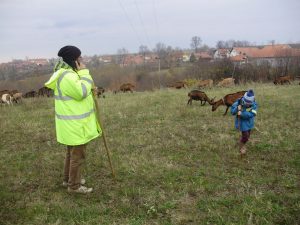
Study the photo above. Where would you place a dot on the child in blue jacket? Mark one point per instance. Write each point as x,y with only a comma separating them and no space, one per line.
245,111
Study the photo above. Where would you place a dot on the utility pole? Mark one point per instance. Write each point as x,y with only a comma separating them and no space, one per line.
159,71
159,65
233,69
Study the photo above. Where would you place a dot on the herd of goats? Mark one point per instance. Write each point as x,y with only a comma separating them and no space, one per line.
10,97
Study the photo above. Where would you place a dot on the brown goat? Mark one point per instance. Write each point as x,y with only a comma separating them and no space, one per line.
17,97
227,82
199,96
45,91
177,85
227,100
99,91
205,83
30,94
127,87
283,80
13,92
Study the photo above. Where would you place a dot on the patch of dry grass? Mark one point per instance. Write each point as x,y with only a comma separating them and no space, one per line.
175,164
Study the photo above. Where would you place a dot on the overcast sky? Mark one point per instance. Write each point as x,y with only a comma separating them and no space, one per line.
39,28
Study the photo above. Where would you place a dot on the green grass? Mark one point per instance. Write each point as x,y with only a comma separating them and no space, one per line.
175,164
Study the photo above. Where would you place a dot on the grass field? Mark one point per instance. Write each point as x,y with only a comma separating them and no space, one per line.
175,164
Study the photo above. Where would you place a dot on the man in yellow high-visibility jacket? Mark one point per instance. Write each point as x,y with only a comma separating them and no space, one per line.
75,119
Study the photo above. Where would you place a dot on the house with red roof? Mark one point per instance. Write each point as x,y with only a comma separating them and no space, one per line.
203,56
272,54
221,53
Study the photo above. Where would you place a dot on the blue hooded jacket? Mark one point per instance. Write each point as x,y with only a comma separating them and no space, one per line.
246,120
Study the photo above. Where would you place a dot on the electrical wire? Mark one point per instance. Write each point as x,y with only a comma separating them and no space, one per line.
142,23
155,17
131,24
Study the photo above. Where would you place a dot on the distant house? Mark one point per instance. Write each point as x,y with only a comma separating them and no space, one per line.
186,57
239,59
105,59
39,62
272,54
133,60
221,53
151,58
203,56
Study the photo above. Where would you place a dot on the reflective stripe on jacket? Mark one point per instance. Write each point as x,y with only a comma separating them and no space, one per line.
75,118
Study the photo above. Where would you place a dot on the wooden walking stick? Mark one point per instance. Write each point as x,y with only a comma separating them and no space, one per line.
103,134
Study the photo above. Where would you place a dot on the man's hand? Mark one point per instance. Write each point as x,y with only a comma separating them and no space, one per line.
239,113
239,107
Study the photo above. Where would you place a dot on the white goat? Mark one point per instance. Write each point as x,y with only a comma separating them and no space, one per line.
7,98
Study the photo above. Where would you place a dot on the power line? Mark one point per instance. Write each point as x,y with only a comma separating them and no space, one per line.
155,17
142,23
131,24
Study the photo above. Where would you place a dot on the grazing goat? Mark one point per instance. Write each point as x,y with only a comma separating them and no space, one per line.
199,96
45,91
30,94
7,99
283,80
127,87
99,91
177,85
13,92
205,83
17,97
227,82
228,100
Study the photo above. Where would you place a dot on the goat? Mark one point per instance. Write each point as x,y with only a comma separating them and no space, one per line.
99,91
283,80
7,98
30,94
45,91
227,82
177,85
205,83
227,100
199,96
127,87
13,92
17,97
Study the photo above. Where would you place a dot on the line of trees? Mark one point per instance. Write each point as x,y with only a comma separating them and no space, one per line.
168,68
146,78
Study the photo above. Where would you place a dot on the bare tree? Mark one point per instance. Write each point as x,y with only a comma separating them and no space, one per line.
272,42
143,50
242,43
160,48
232,43
196,43
122,53
220,44
284,59
161,51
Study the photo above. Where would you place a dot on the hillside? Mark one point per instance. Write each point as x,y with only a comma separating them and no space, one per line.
175,164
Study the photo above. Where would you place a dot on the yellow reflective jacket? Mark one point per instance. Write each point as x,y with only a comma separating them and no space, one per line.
75,116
